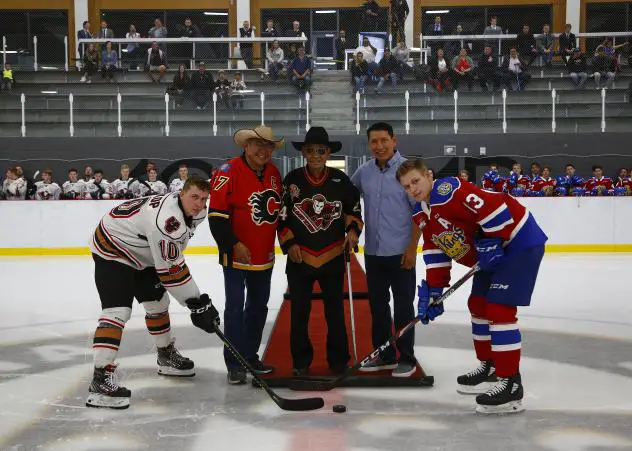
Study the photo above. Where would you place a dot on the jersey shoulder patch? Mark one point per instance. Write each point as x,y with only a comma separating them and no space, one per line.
170,219
443,190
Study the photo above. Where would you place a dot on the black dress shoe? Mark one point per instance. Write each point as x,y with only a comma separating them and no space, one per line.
298,372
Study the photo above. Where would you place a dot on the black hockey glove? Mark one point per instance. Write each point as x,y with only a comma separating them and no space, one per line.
203,314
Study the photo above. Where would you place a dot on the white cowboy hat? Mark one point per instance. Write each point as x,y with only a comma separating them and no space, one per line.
242,136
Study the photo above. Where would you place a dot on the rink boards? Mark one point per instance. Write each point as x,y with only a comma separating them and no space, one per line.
574,224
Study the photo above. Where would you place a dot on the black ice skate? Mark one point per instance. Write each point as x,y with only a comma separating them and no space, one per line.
172,363
477,381
504,397
104,390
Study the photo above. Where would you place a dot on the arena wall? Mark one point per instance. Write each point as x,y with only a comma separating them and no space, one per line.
65,227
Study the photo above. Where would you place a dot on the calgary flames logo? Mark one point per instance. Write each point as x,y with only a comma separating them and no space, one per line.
317,213
452,243
264,206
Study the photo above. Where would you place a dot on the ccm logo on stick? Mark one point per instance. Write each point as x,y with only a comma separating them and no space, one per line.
498,286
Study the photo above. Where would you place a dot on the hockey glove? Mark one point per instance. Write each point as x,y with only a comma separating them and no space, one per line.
203,314
490,253
425,311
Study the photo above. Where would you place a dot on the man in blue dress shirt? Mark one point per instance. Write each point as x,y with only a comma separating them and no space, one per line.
390,250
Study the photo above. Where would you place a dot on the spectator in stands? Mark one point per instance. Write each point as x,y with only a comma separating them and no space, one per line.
202,84
180,85
464,174
342,44
104,31
275,59
535,170
401,54
371,16
190,30
487,69
359,72
603,66
133,47
159,31
387,69
223,89
577,68
236,87
84,33
611,50
514,68
270,30
246,49
567,43
436,29
90,63
87,174
441,71
298,33
544,44
462,69
493,28
187,30
8,78
156,63
526,44
301,70
109,60
368,53
453,48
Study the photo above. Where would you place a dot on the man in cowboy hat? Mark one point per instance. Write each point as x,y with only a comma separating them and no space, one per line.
243,215
320,217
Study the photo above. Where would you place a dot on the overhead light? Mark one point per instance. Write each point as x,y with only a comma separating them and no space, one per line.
212,13
325,11
49,92
437,11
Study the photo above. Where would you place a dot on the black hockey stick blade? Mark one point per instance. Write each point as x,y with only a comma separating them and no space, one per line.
296,405
321,384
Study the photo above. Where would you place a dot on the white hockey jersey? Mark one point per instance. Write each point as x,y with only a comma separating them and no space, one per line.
151,232
176,185
147,188
46,191
73,190
14,189
98,191
123,189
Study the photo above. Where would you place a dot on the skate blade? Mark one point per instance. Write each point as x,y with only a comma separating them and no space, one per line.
100,401
173,372
510,407
479,389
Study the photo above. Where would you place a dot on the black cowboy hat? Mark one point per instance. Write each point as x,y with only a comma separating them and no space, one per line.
318,135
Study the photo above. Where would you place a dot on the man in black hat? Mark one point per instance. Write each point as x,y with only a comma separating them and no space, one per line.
320,218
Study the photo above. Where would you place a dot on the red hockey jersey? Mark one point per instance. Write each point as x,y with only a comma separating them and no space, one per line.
599,187
250,202
546,185
455,212
624,183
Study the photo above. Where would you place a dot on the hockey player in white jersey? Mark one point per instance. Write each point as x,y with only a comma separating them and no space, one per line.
178,183
122,186
46,189
138,253
14,186
73,188
98,188
150,187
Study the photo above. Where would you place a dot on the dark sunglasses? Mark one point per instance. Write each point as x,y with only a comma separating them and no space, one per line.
320,150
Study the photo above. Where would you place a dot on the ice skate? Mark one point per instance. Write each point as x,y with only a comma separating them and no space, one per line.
504,397
477,381
172,363
104,390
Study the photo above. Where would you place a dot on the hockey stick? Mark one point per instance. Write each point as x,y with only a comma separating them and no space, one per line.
328,384
351,307
283,403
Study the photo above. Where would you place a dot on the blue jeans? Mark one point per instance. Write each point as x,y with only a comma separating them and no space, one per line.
243,324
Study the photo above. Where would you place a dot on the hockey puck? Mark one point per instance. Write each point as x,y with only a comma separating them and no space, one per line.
339,408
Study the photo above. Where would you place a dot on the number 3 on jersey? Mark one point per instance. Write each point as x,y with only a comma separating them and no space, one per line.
473,201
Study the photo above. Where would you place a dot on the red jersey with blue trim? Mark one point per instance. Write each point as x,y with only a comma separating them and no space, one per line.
251,202
625,182
544,184
601,186
456,211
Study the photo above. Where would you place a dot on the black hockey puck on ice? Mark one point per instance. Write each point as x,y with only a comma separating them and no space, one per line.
339,408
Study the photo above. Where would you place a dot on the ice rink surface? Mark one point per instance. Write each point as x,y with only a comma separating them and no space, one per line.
576,369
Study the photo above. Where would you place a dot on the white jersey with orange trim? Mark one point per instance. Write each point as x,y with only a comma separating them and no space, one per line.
151,232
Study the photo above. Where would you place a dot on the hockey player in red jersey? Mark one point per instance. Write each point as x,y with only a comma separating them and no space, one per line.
469,225
492,181
138,253
598,184
543,185
518,184
623,187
